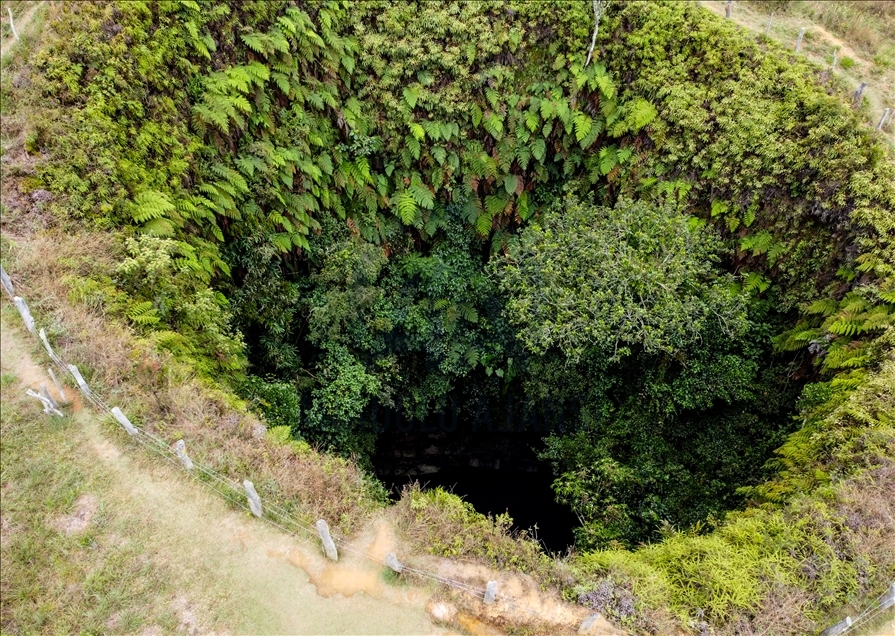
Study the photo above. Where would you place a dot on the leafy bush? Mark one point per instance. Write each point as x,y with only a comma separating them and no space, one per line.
344,173
634,276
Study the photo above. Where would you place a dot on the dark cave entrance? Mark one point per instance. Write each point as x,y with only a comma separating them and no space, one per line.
493,467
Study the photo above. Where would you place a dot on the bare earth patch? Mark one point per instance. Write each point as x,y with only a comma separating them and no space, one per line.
78,521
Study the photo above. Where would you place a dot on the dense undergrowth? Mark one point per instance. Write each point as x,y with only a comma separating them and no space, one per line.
679,257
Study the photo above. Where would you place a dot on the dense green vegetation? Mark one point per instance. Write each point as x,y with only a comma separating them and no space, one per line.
679,257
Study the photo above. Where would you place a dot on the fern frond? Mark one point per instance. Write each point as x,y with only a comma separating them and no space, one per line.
149,205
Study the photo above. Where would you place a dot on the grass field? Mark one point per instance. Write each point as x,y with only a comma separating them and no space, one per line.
862,34
98,538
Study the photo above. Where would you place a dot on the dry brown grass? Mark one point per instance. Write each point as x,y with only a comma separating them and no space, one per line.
440,523
866,24
167,398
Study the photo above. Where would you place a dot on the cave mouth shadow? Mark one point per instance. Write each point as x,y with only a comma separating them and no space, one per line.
497,471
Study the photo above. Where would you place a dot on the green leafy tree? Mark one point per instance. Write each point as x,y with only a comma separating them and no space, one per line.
586,277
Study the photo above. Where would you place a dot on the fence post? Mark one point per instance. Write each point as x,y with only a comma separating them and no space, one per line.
329,546
254,499
833,65
79,379
799,41
22,306
180,451
767,30
7,283
12,25
122,419
727,7
48,406
859,93
43,338
839,628
59,388
882,120
392,561
490,592
49,398
888,599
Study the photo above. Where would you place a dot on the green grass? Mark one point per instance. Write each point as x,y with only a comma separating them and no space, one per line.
94,581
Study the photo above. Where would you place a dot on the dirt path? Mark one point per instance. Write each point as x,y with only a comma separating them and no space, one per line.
233,573
818,47
22,24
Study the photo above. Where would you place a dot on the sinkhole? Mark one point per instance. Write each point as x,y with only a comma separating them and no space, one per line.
496,469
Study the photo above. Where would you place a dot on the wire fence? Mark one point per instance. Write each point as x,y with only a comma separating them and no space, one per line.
244,495
874,610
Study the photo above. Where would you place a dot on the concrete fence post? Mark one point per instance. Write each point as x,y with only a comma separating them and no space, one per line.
62,398
46,394
882,120
490,592
329,546
180,451
22,306
392,561
254,499
7,283
799,41
12,24
79,379
859,93
126,423
727,8
48,406
839,628
43,338
888,599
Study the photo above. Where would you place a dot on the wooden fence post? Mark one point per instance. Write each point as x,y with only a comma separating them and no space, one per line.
859,93
727,8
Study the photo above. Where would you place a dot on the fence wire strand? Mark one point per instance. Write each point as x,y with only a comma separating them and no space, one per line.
235,493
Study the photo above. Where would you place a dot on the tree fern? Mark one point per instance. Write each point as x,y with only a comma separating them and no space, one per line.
150,205
143,314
